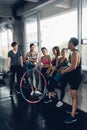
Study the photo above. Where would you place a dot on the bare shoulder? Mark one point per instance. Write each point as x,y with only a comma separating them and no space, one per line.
75,53
28,53
48,56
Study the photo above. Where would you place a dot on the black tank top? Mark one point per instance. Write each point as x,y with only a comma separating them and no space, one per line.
78,68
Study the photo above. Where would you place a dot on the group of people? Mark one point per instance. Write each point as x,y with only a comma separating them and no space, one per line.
58,71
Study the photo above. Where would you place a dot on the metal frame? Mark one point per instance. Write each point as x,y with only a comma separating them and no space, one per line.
79,24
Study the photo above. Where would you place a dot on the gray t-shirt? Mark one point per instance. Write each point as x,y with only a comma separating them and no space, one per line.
15,58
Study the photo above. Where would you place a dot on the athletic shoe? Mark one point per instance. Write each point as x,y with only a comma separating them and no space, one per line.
69,111
32,92
38,92
70,119
59,104
48,100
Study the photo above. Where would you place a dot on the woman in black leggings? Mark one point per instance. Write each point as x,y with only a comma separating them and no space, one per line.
56,77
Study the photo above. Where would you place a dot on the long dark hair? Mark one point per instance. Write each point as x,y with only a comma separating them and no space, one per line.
57,49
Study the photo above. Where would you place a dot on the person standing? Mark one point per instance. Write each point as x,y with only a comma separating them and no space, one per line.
73,77
15,64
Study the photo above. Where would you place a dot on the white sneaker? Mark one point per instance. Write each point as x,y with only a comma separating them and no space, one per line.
32,92
59,104
37,92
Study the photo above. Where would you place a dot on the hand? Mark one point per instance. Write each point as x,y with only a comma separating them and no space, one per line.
48,71
51,74
62,71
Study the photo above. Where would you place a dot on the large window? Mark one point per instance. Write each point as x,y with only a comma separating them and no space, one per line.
58,30
5,41
30,31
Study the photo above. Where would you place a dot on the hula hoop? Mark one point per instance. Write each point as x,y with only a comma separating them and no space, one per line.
44,92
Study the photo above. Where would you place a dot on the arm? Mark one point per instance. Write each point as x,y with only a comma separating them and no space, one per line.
50,64
38,63
26,57
21,61
57,60
8,63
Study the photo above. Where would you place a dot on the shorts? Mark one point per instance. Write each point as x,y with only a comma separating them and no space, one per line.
75,80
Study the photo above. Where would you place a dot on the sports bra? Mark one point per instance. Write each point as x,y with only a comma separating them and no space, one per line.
33,56
54,62
45,62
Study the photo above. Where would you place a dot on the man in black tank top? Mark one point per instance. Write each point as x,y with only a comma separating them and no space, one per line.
73,77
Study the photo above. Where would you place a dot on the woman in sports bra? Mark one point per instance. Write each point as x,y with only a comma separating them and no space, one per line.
73,77
31,57
30,62
45,61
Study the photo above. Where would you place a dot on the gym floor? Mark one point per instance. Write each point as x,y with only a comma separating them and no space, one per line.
17,114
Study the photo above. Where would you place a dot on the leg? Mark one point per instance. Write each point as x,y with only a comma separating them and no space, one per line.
50,87
74,102
43,71
62,94
19,75
37,79
12,77
62,84
37,89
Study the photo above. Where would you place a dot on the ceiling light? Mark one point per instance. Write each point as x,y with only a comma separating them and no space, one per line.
32,0
63,4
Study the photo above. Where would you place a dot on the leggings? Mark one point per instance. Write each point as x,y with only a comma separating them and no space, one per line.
43,71
54,84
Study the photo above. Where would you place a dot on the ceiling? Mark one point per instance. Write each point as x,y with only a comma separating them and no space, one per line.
7,2
9,8
11,2
15,8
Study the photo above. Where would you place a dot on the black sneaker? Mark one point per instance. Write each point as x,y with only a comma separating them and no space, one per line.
48,100
70,119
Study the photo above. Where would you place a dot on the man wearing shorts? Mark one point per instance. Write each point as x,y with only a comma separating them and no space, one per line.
73,77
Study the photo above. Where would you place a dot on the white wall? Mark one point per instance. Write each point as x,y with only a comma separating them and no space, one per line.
82,97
